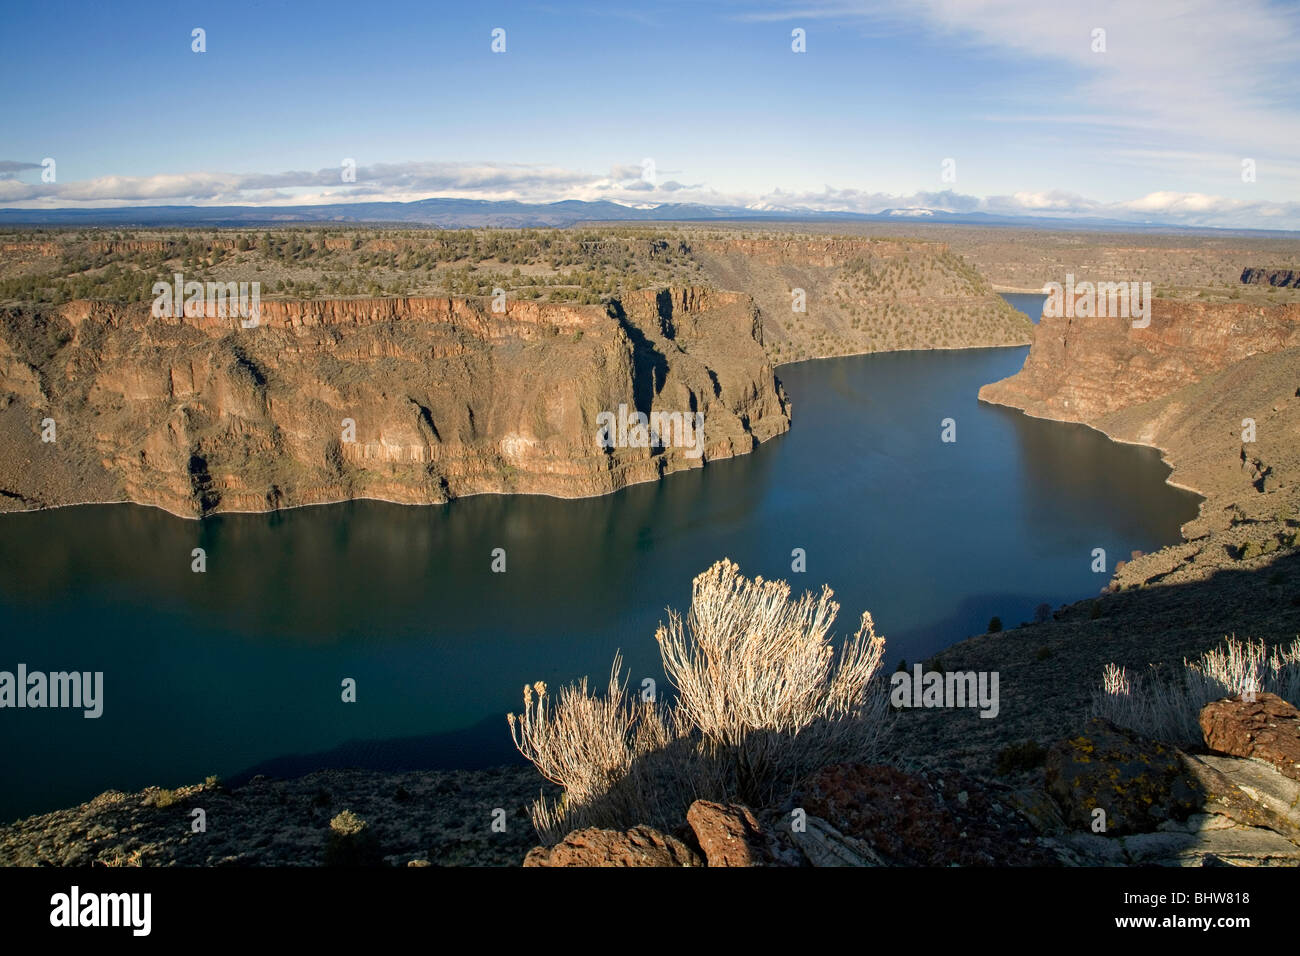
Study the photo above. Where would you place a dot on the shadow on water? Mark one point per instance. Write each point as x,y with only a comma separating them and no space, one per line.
228,669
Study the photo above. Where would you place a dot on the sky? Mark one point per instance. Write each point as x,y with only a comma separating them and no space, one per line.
1179,112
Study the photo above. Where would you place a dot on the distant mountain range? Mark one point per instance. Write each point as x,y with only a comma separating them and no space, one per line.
469,213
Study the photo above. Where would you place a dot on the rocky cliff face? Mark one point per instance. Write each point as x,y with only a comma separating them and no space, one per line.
1278,278
1080,369
1215,386
413,400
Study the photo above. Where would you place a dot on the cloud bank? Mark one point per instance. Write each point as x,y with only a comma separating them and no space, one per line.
632,184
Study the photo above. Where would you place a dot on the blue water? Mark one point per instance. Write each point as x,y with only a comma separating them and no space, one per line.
223,671
1030,303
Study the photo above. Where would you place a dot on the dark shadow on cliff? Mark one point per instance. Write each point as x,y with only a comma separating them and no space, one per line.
649,365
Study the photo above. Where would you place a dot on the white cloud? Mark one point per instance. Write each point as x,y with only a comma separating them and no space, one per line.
405,182
1197,74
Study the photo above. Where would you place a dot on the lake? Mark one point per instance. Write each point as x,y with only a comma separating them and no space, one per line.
239,668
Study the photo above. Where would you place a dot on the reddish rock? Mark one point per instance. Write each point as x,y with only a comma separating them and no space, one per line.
728,834
938,819
640,846
1267,728
1080,369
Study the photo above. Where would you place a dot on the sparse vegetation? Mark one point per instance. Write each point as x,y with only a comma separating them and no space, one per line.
1168,706
761,699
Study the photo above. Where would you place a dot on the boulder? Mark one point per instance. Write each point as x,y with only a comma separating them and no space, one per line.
1266,728
729,834
639,846
1139,783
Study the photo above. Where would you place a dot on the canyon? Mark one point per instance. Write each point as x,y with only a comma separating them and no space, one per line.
413,400
425,397
1214,386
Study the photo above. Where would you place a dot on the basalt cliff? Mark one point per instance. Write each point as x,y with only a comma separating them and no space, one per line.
414,400
1216,387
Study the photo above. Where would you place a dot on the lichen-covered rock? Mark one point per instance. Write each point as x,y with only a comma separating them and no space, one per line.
639,846
1139,783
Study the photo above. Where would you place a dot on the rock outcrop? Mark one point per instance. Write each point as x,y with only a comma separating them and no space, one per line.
1266,728
1083,369
1111,778
890,817
1278,278
1216,387
639,846
729,834
415,400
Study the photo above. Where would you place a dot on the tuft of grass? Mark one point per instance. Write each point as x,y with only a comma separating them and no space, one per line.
1169,707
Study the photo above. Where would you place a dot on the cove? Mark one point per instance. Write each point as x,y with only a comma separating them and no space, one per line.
240,668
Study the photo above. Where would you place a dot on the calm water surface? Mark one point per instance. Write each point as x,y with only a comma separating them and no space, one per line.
240,668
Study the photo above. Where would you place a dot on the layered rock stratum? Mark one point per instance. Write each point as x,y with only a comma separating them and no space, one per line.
441,398
1214,386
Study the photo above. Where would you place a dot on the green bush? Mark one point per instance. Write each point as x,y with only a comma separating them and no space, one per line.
995,625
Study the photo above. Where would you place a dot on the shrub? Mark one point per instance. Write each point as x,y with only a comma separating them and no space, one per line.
351,843
1169,707
1249,550
1043,613
1095,612
1018,757
762,700
1043,653
164,798
995,625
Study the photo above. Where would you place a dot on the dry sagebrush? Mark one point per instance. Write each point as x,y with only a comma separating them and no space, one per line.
1169,708
762,699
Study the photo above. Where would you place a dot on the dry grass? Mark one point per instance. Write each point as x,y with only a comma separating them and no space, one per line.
1169,709
762,700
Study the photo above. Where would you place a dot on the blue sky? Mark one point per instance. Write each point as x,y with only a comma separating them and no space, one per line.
1036,120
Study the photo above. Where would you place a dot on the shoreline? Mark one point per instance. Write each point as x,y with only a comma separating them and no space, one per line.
477,494
1164,452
